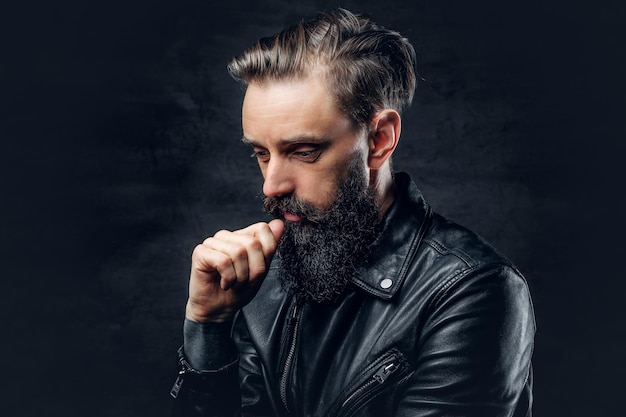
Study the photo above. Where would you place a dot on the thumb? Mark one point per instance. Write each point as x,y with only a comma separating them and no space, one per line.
277,227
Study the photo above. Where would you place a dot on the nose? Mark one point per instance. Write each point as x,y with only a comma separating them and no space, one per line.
278,180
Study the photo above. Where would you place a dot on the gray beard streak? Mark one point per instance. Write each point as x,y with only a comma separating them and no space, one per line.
319,259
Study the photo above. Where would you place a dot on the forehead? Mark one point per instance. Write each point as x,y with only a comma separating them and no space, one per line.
283,109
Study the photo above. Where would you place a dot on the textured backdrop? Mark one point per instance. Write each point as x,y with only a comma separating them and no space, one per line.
120,152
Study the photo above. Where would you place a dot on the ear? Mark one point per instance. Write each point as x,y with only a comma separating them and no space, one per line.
384,136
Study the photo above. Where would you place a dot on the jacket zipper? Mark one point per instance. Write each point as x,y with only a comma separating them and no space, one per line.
374,382
292,326
184,369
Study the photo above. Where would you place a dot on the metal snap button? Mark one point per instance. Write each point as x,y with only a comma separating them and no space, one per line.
386,283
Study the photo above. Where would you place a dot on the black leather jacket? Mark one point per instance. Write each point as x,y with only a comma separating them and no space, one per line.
437,324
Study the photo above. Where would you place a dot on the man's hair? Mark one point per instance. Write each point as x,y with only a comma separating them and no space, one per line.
367,67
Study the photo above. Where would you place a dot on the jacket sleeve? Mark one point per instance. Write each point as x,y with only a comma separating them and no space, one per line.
208,383
474,358
218,378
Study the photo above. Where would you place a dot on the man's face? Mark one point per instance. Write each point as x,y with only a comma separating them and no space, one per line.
303,144
313,162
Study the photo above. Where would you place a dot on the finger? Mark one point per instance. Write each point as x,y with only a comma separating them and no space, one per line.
259,245
277,227
206,261
257,262
264,234
236,250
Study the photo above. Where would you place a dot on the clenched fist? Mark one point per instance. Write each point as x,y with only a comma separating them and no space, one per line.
228,269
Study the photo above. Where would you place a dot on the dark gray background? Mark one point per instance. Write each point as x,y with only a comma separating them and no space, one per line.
120,152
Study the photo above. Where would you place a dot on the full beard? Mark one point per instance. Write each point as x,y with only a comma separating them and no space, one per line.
321,253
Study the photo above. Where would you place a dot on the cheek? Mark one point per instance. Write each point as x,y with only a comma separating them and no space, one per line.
318,183
319,187
317,190
313,185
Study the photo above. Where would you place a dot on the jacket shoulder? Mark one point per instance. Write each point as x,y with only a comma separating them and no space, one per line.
453,240
453,258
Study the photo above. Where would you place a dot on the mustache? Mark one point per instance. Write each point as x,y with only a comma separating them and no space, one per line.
277,206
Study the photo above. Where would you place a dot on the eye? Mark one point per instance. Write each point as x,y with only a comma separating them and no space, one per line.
308,154
261,155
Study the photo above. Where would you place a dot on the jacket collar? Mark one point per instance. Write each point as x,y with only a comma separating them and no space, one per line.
404,226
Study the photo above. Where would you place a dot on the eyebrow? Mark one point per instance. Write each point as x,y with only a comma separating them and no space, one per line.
290,141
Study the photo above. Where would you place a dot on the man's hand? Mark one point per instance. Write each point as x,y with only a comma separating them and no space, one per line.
228,269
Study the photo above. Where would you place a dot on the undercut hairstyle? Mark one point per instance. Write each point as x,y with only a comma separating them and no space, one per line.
367,67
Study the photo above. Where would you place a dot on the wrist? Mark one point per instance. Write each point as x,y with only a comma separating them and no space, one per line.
208,345
200,315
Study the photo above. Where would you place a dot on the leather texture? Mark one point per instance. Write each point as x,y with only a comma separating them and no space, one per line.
436,324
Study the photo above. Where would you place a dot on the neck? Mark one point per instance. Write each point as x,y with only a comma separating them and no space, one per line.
382,181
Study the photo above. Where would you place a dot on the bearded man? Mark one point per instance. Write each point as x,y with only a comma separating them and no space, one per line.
356,299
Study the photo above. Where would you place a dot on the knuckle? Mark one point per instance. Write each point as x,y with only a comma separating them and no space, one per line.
223,263
269,250
272,246
196,253
221,234
239,252
251,243
258,270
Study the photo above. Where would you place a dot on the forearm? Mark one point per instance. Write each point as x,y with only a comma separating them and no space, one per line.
208,346
208,382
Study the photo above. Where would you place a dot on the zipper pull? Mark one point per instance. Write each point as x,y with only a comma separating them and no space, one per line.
179,383
293,316
181,377
384,372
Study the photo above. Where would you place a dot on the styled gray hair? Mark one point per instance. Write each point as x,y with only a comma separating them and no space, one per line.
367,67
